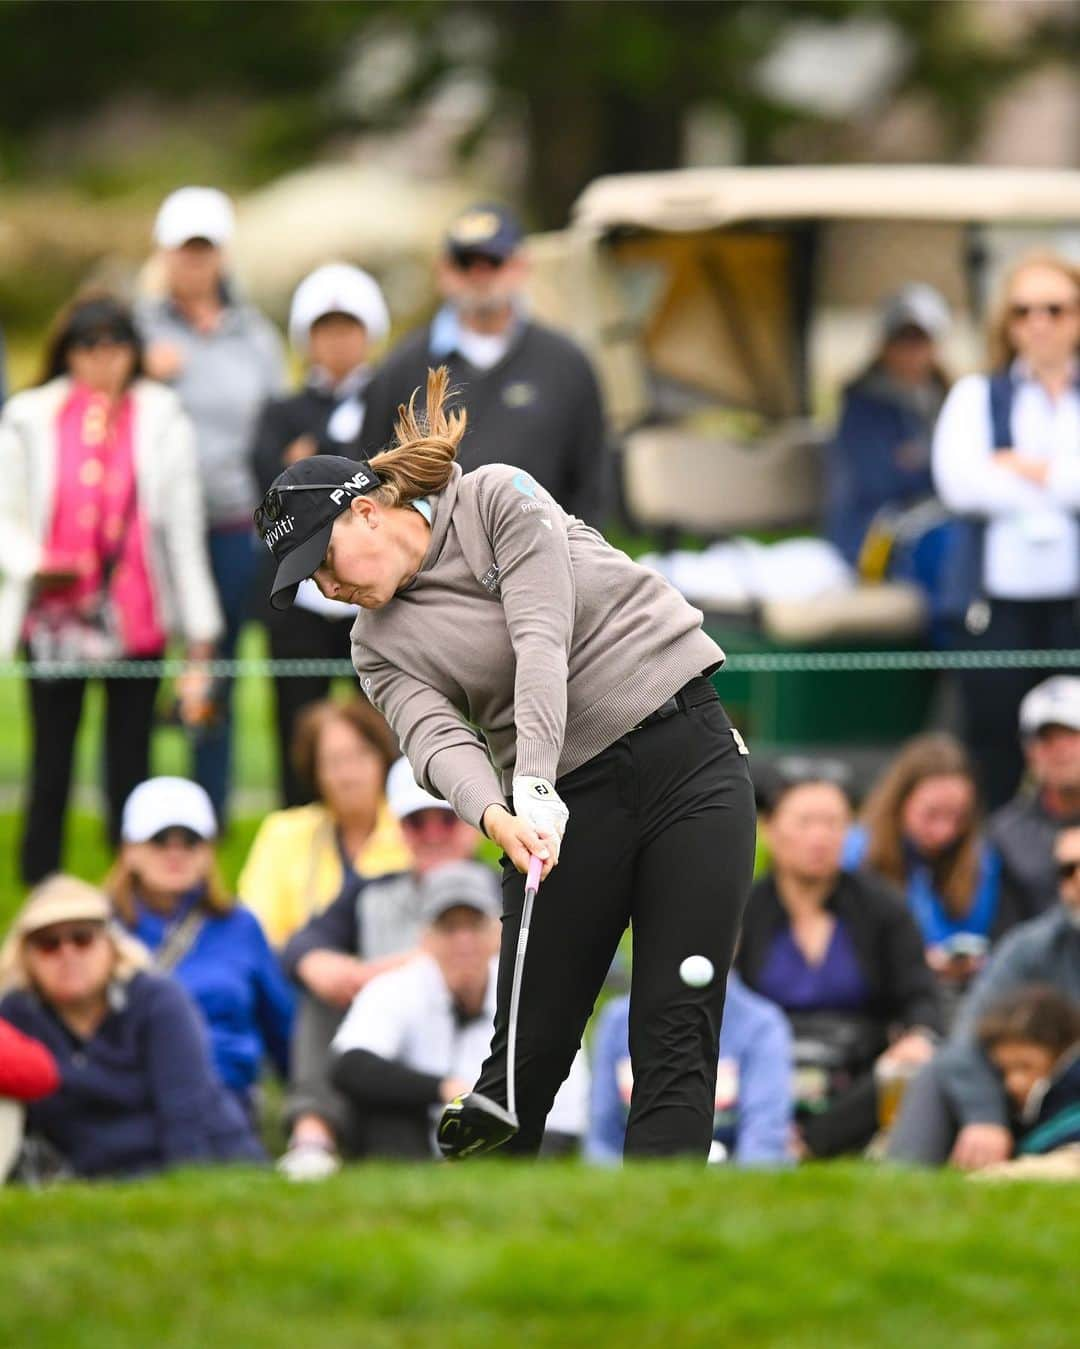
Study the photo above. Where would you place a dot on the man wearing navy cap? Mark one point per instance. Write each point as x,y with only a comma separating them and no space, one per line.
530,393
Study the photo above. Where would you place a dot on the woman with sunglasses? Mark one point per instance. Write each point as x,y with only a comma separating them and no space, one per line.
136,1089
546,685
1006,458
102,553
167,892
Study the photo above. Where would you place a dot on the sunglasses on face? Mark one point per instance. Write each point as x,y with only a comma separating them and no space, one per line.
81,938
1054,310
465,261
177,835
420,820
1067,870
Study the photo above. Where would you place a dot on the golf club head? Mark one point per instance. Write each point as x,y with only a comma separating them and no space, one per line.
474,1124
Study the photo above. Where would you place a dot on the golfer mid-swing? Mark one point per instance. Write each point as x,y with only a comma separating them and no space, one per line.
556,694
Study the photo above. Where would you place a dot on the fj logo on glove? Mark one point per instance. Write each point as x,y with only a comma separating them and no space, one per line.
540,789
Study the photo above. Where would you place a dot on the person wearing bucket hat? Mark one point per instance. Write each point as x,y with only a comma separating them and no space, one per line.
338,316
224,359
416,1037
167,892
137,1092
530,392
533,673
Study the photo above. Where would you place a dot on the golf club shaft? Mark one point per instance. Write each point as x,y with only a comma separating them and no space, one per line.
532,884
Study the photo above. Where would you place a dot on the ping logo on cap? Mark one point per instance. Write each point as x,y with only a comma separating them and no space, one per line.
357,483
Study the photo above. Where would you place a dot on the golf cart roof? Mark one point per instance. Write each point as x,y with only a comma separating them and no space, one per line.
701,199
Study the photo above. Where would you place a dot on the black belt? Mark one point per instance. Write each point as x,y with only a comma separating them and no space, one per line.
699,690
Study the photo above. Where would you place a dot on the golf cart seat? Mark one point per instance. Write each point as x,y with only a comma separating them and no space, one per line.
683,479
890,612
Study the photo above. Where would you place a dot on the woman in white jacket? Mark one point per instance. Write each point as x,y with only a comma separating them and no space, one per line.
102,552
1006,459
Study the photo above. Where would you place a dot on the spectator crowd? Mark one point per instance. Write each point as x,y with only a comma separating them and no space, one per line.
908,977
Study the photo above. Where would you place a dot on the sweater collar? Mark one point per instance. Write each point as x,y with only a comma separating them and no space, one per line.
834,900
442,509
444,335
353,384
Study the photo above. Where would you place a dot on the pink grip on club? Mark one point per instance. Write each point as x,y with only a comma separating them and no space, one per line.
536,866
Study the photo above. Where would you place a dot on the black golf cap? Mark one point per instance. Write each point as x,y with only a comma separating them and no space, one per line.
297,516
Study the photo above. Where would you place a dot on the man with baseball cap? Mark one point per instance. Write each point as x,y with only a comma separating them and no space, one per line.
1025,829
417,1037
338,315
530,393
224,359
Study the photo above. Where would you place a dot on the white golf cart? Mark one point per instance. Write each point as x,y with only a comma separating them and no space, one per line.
723,308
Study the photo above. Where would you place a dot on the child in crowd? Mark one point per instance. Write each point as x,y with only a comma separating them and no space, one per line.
1033,1039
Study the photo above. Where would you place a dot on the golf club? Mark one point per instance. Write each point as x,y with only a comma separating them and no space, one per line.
475,1123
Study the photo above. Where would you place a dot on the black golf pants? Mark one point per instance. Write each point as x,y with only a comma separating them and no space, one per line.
661,837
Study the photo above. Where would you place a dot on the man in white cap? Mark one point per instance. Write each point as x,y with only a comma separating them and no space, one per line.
370,928
1024,830
338,316
417,1037
225,359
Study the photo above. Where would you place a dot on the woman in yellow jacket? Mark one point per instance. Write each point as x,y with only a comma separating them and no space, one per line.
301,857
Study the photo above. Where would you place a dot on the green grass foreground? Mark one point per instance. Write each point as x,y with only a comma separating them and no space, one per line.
554,1255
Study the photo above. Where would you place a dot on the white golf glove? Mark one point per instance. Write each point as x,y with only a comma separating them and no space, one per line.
537,801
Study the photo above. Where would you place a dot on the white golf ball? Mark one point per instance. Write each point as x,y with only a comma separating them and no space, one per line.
697,971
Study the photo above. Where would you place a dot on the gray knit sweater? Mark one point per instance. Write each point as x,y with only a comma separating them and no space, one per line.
524,623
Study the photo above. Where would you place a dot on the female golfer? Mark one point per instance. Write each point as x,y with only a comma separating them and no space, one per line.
523,661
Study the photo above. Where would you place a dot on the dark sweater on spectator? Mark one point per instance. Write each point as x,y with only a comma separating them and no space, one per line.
1044,951
1023,833
887,944
283,420
537,408
139,1095
27,1070
371,917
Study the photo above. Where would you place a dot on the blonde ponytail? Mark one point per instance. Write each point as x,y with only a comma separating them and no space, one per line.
426,446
